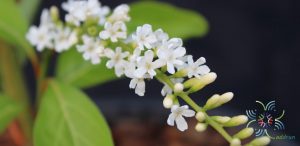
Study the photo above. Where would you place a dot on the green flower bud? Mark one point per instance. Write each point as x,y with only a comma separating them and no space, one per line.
235,142
168,101
200,116
178,87
92,30
261,141
236,121
54,13
196,84
245,133
226,97
212,102
221,119
200,127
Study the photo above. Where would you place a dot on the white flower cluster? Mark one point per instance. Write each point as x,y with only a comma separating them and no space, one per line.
79,11
149,50
51,36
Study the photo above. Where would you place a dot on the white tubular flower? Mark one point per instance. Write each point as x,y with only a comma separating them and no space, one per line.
46,18
145,65
76,11
136,83
120,13
114,31
104,11
177,114
92,49
172,54
79,11
197,68
139,85
116,60
40,37
64,39
135,55
161,37
144,36
167,90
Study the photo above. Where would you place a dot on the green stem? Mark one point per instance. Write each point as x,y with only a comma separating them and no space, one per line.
14,86
42,75
165,79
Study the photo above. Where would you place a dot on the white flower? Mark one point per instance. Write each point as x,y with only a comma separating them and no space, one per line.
116,60
197,68
145,65
168,90
102,14
40,37
177,114
79,11
46,19
136,83
144,36
76,11
120,13
64,39
139,85
135,55
161,37
92,49
113,31
170,53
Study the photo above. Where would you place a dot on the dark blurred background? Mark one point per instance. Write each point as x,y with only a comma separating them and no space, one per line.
252,45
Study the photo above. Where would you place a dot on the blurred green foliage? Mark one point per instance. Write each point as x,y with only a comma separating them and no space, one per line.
9,109
13,27
73,69
67,117
177,22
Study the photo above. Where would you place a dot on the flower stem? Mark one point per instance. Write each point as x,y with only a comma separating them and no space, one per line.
184,95
41,82
14,87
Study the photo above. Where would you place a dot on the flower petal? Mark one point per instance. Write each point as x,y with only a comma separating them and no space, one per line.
171,119
140,72
181,123
188,113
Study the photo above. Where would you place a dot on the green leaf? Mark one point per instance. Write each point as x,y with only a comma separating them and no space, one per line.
176,21
73,69
9,109
29,7
67,117
13,27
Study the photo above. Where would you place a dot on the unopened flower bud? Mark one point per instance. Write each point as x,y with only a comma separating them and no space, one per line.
200,127
200,116
168,101
92,30
209,78
261,141
54,13
235,142
236,121
221,119
197,84
226,97
245,133
178,87
212,102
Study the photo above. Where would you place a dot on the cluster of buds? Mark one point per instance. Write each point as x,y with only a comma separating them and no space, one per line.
97,32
